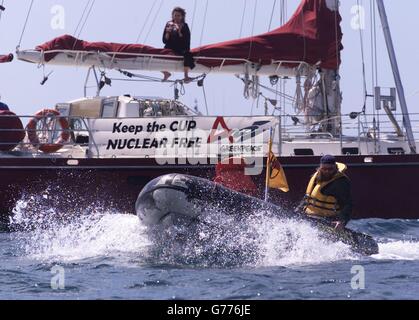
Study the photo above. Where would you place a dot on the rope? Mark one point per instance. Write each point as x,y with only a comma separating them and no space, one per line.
146,21
154,21
281,94
26,23
244,13
272,15
203,24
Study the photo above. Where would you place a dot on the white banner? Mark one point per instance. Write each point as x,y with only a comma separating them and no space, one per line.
191,137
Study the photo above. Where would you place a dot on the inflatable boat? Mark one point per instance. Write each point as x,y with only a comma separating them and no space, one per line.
178,199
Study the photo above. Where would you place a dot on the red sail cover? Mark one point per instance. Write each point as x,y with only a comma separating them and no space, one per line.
6,58
312,35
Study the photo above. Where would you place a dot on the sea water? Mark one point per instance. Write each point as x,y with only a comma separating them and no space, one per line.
101,254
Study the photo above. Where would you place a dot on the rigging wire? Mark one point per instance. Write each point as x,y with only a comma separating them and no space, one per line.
154,21
283,11
253,106
193,14
280,84
143,78
26,23
253,30
374,57
304,36
1,11
81,18
361,38
272,15
203,24
86,19
243,16
373,82
146,21
205,98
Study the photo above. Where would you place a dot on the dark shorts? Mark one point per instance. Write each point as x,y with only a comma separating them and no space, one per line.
188,60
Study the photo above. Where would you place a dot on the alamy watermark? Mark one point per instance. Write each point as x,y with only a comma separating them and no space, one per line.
58,17
58,278
358,17
358,280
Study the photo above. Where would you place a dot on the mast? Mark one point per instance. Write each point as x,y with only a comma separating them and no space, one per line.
397,77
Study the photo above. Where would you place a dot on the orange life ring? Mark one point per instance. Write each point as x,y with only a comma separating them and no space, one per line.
32,131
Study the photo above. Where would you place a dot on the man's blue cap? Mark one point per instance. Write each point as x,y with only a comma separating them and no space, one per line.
328,159
3,107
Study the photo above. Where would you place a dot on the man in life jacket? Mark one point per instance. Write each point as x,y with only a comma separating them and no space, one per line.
230,173
328,193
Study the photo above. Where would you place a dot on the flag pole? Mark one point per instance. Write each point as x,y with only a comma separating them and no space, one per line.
268,166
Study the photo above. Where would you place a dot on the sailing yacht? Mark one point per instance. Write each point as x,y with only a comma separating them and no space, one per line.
107,148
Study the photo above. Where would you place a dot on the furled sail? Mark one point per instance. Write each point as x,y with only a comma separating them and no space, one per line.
311,37
6,58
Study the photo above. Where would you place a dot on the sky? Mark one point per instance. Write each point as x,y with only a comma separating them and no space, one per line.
122,21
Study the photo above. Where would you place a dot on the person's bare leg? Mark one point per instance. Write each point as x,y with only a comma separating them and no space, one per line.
167,75
187,79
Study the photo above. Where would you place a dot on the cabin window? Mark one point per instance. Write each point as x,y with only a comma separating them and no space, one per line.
109,108
396,151
350,151
304,152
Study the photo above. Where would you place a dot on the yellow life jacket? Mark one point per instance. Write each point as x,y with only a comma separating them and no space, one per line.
318,204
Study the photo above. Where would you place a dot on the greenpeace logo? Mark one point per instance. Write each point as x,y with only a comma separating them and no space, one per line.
242,149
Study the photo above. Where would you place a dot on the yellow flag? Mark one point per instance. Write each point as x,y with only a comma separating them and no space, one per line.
275,175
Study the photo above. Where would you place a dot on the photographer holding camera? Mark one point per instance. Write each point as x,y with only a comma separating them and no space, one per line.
177,37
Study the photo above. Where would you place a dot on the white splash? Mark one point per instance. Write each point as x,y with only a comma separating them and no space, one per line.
98,234
398,250
290,242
